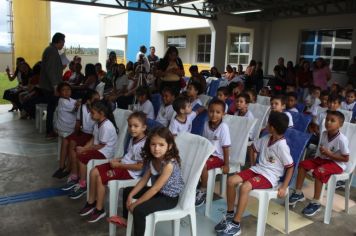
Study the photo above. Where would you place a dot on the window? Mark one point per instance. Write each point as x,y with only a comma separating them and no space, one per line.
333,45
177,41
239,51
204,43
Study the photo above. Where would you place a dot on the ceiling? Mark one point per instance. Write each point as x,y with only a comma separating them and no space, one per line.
209,9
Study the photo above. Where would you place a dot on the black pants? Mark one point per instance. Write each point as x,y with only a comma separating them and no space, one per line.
52,102
158,202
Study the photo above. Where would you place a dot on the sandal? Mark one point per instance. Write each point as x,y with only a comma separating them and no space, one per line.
117,220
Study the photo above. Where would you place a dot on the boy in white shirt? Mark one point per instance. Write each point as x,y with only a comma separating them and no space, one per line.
274,160
223,94
242,101
350,102
331,158
194,89
166,112
144,103
278,104
217,132
291,103
182,121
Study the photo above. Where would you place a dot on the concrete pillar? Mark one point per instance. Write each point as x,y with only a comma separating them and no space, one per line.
218,44
103,41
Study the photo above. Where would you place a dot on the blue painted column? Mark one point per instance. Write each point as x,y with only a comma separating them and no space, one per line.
139,32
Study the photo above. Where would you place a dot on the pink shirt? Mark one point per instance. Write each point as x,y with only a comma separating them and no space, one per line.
320,77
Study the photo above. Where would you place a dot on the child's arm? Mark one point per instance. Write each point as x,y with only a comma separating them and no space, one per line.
333,156
225,168
142,183
252,154
118,164
284,186
161,181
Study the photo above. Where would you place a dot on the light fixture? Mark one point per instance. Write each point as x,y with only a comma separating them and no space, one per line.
246,11
191,2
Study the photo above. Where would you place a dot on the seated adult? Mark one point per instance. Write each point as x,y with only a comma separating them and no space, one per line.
214,72
229,74
89,81
120,83
197,77
170,70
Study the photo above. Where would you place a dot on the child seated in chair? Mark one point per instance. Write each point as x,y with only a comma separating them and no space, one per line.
317,108
217,132
331,158
274,160
278,104
125,168
166,111
144,103
182,121
350,101
291,104
223,94
194,89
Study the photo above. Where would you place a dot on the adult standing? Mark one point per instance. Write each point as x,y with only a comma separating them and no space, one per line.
171,70
142,59
280,73
152,57
304,78
51,76
321,74
351,73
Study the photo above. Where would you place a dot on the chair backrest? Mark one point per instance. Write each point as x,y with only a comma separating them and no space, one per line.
156,100
347,114
194,151
239,133
204,99
100,89
263,100
300,121
198,123
349,130
213,88
297,142
151,124
300,107
121,116
259,112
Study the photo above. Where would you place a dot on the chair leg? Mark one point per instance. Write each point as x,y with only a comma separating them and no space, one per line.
113,199
329,199
347,194
286,207
262,215
129,224
150,226
322,192
90,166
210,191
223,186
193,223
176,227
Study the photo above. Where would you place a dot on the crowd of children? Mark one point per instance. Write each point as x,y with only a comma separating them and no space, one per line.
88,131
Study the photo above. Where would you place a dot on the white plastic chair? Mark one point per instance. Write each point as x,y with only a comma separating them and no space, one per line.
260,113
349,130
100,89
121,122
205,99
347,114
194,152
239,132
263,100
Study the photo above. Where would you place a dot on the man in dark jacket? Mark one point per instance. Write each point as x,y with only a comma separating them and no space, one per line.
51,76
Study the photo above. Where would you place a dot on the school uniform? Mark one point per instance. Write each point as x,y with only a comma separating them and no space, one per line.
86,126
66,116
104,133
348,107
220,138
177,126
147,108
197,102
133,156
322,165
274,158
165,114
290,118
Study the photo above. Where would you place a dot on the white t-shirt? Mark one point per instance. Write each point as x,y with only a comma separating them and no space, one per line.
146,63
290,124
165,114
348,107
87,122
147,108
105,133
66,115
133,155
293,109
197,101
177,127
273,158
338,144
219,137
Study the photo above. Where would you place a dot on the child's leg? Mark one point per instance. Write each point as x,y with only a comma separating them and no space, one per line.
71,146
300,178
82,171
204,178
100,193
232,182
64,152
318,185
94,173
74,162
245,189
304,167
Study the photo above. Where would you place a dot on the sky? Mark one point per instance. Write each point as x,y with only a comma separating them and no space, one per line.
79,23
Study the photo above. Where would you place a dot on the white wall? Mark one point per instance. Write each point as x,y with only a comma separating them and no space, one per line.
164,22
116,25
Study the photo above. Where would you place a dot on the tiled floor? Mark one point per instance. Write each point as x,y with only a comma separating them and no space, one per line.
27,161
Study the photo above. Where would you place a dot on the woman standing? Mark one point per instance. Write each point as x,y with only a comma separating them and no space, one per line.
171,70
321,74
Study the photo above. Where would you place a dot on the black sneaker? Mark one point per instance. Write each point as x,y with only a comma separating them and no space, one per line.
96,215
77,192
58,172
87,209
70,184
200,198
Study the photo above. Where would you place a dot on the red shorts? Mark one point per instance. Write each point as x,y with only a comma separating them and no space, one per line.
80,138
107,173
322,168
257,181
214,162
90,155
